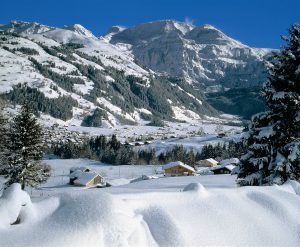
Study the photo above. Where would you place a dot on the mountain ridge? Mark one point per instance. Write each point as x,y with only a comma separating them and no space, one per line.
202,55
188,59
81,74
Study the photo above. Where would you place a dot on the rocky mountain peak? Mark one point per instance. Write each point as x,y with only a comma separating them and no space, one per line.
112,31
25,28
79,29
152,30
207,34
202,55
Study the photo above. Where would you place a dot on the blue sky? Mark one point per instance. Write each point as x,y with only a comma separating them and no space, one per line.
258,23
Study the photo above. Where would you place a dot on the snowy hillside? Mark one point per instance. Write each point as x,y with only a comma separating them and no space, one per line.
203,55
157,70
73,73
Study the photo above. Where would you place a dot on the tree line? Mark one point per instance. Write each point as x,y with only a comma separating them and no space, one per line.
112,151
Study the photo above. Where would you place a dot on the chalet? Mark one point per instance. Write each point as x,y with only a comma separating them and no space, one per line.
232,161
178,168
87,179
231,164
223,169
207,163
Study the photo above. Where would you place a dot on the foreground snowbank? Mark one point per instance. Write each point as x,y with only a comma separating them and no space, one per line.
195,216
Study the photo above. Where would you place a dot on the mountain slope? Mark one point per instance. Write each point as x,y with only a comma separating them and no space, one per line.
70,74
202,55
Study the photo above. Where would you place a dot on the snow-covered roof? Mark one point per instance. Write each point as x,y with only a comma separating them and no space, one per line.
228,167
229,161
82,178
213,161
178,163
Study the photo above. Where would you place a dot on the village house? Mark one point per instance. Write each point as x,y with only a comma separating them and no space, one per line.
226,166
222,169
207,163
178,168
87,179
232,161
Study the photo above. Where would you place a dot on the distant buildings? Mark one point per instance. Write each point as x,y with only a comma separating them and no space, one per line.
227,166
207,163
213,167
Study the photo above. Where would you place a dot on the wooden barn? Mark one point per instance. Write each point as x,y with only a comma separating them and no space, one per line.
207,163
178,168
87,179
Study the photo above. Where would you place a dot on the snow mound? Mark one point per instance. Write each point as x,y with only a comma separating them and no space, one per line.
11,204
243,216
196,187
81,219
163,228
296,186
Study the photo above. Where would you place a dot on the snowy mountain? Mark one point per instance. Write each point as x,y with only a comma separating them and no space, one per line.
22,27
79,29
203,55
111,32
70,73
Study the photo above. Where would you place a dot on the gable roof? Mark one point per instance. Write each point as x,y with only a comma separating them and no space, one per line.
232,161
82,178
178,163
228,167
213,161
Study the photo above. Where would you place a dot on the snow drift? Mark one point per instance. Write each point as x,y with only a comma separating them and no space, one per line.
247,216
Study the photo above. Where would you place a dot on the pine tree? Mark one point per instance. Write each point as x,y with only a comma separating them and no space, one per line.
274,136
24,151
190,159
3,131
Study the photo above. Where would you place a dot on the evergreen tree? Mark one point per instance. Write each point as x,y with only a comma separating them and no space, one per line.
24,151
274,136
190,158
3,130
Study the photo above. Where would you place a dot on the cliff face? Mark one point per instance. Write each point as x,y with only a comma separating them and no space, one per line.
202,55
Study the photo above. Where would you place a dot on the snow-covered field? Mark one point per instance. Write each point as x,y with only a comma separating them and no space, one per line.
181,211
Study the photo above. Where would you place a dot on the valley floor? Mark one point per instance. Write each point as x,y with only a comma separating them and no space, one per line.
177,211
